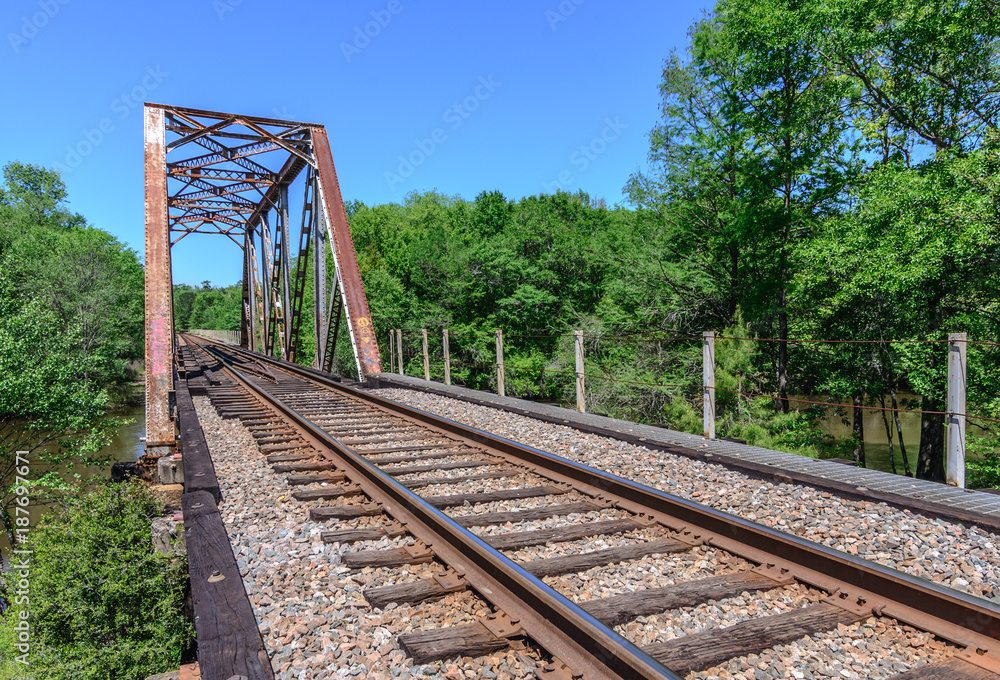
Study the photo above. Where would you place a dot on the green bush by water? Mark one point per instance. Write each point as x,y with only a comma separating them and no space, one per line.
103,605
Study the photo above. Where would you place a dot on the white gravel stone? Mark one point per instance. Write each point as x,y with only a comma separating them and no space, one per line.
314,620
954,555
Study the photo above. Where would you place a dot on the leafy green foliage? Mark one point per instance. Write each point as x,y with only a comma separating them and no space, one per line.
784,200
207,307
71,317
103,605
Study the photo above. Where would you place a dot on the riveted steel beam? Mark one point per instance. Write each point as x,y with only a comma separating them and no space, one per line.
160,437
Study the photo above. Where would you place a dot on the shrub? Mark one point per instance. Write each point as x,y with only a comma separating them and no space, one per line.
103,604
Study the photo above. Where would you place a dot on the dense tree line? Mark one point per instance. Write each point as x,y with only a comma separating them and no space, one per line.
102,603
205,306
71,327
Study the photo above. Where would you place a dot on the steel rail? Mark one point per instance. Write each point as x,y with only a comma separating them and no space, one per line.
563,628
859,585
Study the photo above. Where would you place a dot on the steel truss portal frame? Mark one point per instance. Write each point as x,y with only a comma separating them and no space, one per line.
230,175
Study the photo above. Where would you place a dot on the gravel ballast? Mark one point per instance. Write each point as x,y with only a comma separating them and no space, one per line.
954,555
316,624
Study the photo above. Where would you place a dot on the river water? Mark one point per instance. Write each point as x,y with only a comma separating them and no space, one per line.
840,427
126,445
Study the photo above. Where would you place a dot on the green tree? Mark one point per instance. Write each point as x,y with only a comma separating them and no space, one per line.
916,260
70,327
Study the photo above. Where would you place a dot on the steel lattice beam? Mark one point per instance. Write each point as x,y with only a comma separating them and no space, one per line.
230,175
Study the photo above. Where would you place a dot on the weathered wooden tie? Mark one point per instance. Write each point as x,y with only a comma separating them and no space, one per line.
350,511
315,478
304,466
570,532
416,591
419,447
416,553
492,496
290,457
422,482
456,465
514,516
391,530
325,493
473,639
952,669
612,611
555,566
711,647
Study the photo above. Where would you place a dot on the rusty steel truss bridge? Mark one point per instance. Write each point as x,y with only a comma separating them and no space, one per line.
231,175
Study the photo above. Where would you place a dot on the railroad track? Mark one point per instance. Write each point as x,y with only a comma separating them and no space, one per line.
503,520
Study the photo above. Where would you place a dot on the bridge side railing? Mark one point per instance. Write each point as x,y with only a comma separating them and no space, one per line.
232,337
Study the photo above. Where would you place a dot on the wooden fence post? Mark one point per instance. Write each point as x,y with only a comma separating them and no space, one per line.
957,372
708,382
500,388
447,358
427,361
392,351
399,350
581,404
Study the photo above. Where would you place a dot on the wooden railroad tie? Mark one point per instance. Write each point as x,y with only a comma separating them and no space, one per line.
422,482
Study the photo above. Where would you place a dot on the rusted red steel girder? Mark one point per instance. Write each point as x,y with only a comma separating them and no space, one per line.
359,317
160,438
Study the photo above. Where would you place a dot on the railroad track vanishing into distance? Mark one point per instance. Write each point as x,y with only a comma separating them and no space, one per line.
350,454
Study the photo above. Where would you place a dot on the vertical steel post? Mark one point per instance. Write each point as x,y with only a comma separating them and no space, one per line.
319,281
160,438
708,382
335,314
286,270
581,404
500,385
957,384
447,358
253,325
266,274
427,361
246,322
399,350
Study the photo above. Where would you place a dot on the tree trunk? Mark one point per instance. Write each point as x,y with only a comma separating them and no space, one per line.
888,435
782,352
859,430
899,435
930,459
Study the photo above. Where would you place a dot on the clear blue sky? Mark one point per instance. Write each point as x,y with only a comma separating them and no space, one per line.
534,81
